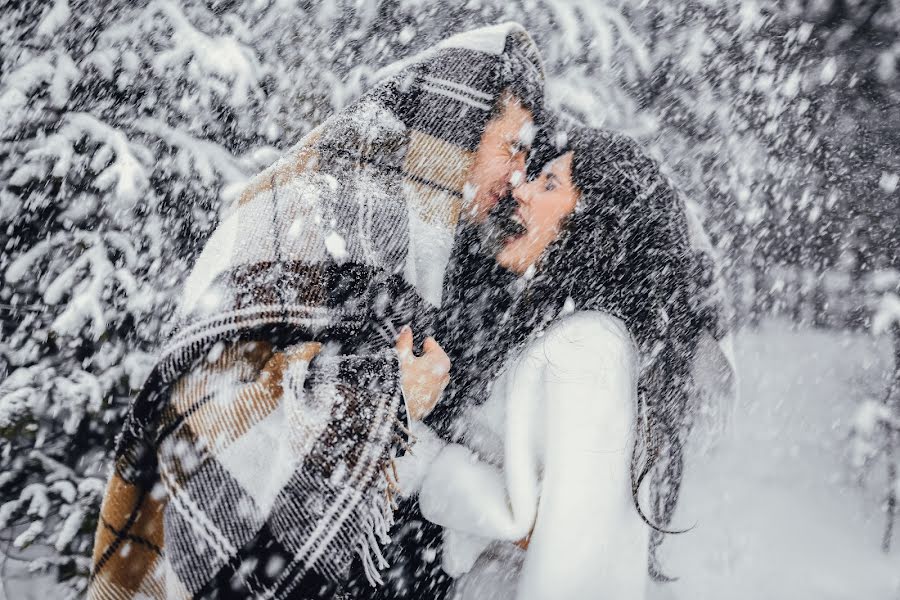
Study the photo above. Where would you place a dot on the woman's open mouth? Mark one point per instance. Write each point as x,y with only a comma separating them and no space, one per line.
517,219
514,228
504,225
507,221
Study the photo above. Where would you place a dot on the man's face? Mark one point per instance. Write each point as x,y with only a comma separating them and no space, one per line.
500,160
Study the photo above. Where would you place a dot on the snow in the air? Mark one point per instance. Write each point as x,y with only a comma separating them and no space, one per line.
128,132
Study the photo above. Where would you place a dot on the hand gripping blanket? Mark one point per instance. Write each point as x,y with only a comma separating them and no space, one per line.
255,462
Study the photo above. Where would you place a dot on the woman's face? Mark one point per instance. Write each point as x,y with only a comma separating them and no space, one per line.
542,206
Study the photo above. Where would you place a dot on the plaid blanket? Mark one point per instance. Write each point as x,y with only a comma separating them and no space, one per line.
255,462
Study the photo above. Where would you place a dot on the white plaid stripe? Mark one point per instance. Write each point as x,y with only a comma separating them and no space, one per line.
456,96
465,89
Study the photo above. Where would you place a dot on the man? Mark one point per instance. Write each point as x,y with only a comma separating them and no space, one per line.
256,460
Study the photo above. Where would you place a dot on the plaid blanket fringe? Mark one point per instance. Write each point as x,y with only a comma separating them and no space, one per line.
216,414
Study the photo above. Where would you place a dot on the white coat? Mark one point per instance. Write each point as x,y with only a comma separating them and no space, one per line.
549,449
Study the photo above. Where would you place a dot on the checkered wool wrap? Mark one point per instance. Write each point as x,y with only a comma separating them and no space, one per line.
259,451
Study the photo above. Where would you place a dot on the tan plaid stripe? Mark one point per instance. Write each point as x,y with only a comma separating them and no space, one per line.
438,161
245,381
436,172
221,400
432,163
128,543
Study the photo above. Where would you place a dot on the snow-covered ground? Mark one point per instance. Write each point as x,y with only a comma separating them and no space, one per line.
776,512
777,515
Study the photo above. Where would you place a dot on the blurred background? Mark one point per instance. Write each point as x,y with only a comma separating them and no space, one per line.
125,127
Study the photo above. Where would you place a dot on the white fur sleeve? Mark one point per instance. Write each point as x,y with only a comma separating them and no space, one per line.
470,496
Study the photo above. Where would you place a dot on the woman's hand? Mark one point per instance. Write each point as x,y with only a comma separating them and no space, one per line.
422,378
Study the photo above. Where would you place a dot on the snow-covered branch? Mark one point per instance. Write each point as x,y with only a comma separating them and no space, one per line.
120,164
54,68
86,280
54,19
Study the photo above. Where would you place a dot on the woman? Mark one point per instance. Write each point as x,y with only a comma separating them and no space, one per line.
586,389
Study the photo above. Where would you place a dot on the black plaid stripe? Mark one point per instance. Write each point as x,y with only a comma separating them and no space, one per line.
297,518
206,522
299,283
255,571
317,494
371,217
226,503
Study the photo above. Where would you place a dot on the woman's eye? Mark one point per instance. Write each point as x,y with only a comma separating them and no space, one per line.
549,185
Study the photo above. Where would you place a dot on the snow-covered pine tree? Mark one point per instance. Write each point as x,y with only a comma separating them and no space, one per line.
123,127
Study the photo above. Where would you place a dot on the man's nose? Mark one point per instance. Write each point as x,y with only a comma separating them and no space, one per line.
522,193
517,169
